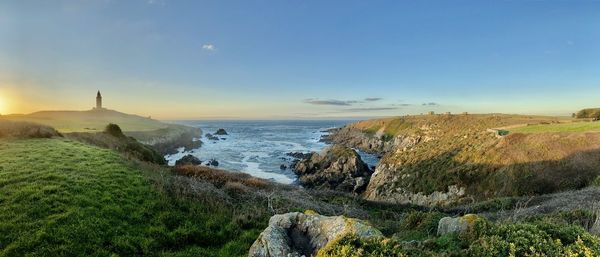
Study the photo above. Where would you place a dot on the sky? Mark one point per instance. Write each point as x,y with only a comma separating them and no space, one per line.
258,59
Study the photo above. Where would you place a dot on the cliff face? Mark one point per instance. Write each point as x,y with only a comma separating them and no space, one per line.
440,160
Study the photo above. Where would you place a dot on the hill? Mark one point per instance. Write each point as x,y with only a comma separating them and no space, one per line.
88,121
437,160
65,198
164,137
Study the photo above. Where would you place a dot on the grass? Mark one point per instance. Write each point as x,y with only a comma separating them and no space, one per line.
459,150
559,127
65,198
88,121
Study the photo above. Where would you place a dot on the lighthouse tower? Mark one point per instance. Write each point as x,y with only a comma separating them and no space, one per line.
98,100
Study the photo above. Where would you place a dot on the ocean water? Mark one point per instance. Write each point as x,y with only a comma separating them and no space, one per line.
259,147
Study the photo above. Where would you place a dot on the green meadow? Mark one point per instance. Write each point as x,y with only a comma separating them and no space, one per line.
65,198
559,127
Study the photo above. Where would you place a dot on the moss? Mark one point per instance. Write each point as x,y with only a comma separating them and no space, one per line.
311,212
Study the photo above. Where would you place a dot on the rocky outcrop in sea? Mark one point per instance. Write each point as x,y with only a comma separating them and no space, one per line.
336,167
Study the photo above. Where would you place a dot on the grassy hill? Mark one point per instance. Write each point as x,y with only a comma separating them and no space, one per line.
576,126
88,121
164,137
65,198
462,151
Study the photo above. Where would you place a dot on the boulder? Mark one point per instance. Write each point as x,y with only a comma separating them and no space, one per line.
210,136
448,225
299,155
213,162
188,160
304,234
221,132
283,167
337,167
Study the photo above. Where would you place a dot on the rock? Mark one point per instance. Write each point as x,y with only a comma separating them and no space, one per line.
221,132
337,167
188,160
304,234
462,224
213,162
299,155
211,136
283,167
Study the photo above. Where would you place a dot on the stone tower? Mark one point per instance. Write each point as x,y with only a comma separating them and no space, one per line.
98,100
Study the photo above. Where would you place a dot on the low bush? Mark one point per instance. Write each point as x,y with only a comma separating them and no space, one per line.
113,138
538,238
590,113
220,177
17,129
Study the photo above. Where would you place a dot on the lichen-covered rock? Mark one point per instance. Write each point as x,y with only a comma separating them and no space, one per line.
303,234
462,224
337,167
188,160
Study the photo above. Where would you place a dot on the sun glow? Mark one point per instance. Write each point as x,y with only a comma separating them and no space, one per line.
2,106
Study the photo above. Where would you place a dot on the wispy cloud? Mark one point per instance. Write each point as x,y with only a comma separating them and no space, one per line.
373,99
155,2
329,102
209,47
430,104
370,109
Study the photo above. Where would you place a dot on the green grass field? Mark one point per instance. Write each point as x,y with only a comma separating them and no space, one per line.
65,198
559,127
89,121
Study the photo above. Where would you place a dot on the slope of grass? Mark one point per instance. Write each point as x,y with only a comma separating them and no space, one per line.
65,198
459,150
88,121
559,127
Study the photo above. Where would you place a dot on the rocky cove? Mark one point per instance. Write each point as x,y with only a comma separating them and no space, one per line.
260,148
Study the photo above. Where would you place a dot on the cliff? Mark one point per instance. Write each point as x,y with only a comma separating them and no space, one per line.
440,160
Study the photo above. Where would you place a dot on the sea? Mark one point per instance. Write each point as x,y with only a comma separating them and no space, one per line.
259,147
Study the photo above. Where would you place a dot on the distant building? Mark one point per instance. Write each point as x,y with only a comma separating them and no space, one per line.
98,100
431,113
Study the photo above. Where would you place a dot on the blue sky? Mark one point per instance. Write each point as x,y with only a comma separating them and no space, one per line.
300,59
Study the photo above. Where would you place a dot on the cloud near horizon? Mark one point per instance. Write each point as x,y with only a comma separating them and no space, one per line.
317,101
369,109
329,102
430,104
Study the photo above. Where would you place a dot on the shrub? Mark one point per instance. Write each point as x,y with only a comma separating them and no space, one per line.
220,177
26,130
114,130
590,113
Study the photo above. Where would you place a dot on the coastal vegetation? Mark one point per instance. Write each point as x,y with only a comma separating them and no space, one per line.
165,138
433,153
88,121
106,194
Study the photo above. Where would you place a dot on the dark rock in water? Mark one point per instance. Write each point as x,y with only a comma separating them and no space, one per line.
337,167
211,137
373,167
299,155
213,162
223,138
221,131
188,160
283,167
